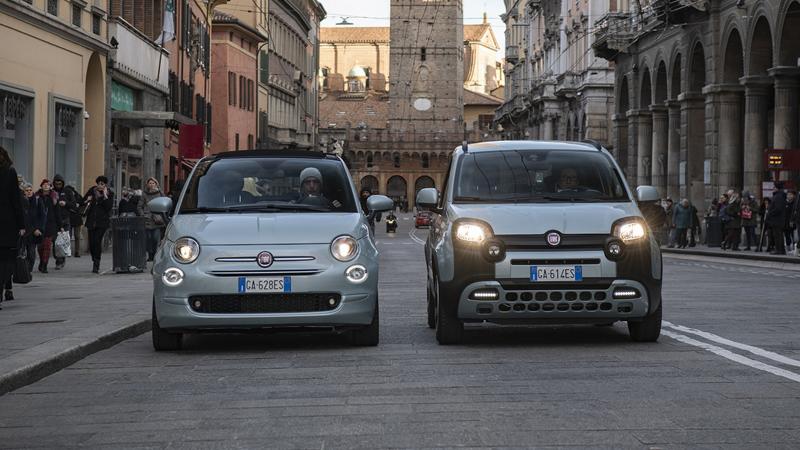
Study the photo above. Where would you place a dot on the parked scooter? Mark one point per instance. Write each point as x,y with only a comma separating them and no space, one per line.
391,223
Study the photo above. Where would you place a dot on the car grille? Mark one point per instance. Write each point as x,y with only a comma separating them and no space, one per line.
555,301
568,242
264,303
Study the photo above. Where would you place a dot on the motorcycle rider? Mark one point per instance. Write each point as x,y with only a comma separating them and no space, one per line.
391,222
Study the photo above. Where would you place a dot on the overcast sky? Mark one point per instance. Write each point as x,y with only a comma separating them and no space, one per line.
376,13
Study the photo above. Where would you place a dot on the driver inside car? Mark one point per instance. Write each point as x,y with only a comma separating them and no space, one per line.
311,189
567,180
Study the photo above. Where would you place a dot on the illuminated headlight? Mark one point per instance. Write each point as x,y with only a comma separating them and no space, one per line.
356,274
344,248
630,231
172,277
470,232
186,250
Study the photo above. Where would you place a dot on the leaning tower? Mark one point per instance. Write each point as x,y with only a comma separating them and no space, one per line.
427,71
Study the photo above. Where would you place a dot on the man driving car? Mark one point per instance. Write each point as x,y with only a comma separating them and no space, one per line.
311,189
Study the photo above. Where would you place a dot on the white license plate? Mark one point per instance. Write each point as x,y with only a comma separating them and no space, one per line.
281,284
556,273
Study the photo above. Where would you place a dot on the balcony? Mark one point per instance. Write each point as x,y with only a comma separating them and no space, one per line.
680,11
139,58
614,35
567,84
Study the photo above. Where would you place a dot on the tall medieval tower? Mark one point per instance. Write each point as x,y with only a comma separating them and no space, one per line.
427,71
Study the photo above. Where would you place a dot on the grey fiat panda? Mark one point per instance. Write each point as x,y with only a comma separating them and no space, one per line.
267,240
540,232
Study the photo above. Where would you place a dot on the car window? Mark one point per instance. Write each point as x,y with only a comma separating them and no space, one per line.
537,176
269,185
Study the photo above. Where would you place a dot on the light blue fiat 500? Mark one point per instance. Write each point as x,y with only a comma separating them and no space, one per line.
267,240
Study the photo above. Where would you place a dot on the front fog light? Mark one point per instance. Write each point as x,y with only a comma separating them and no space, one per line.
172,277
356,274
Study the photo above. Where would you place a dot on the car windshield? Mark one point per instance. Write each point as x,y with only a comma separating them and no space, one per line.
538,176
269,184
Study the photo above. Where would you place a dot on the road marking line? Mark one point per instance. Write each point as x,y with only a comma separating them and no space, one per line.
735,357
748,348
414,237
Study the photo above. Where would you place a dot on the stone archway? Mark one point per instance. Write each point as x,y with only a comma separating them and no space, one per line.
422,183
94,157
674,137
787,81
369,182
694,109
644,128
396,187
731,126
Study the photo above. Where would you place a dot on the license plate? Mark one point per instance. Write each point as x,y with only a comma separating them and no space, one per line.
282,284
556,273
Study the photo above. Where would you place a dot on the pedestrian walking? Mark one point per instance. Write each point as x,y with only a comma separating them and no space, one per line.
99,201
55,221
35,221
128,204
669,210
749,220
776,219
12,223
722,206
70,202
681,221
764,238
155,222
788,231
733,227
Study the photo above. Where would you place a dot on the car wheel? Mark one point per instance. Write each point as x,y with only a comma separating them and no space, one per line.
367,336
648,330
449,330
431,309
163,340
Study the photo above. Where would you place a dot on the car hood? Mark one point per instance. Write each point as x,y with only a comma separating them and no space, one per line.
539,218
266,228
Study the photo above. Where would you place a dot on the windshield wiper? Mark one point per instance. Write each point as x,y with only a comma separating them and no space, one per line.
294,207
472,199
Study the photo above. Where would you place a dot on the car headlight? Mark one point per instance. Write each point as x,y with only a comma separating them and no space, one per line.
630,231
344,248
186,250
471,232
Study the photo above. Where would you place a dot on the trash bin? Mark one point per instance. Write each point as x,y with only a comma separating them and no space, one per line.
129,244
713,232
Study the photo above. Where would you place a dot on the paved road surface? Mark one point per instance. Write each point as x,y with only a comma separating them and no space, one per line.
726,373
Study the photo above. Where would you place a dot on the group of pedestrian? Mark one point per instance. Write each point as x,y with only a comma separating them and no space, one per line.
772,223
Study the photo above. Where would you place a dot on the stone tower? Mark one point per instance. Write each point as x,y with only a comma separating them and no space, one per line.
427,70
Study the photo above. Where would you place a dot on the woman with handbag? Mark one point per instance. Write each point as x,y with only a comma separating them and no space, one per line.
12,221
54,222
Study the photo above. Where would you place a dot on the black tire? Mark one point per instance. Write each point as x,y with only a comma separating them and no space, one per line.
648,330
368,336
449,330
164,341
431,310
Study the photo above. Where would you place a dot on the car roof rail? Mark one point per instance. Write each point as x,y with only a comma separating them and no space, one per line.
594,143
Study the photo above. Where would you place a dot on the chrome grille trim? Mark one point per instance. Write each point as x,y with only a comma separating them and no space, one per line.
269,273
246,259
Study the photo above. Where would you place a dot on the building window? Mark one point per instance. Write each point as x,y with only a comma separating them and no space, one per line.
396,160
263,67
426,162
77,11
231,89
52,7
423,54
369,160
250,142
242,92
325,73
251,87
237,141
174,94
96,24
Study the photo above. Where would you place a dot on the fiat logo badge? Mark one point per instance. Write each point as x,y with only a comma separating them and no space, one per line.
553,239
264,259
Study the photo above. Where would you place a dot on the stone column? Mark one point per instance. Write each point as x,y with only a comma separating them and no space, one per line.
693,112
621,139
731,149
755,125
659,144
644,147
633,138
673,149
787,88
548,128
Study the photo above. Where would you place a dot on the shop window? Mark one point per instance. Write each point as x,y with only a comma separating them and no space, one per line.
67,142
16,130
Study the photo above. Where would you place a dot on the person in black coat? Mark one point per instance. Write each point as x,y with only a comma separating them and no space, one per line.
70,201
35,222
56,221
776,219
100,202
12,221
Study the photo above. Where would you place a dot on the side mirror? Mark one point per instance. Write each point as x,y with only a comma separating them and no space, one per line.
379,203
428,198
647,194
160,205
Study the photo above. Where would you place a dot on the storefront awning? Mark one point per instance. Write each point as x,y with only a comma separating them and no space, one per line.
150,119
